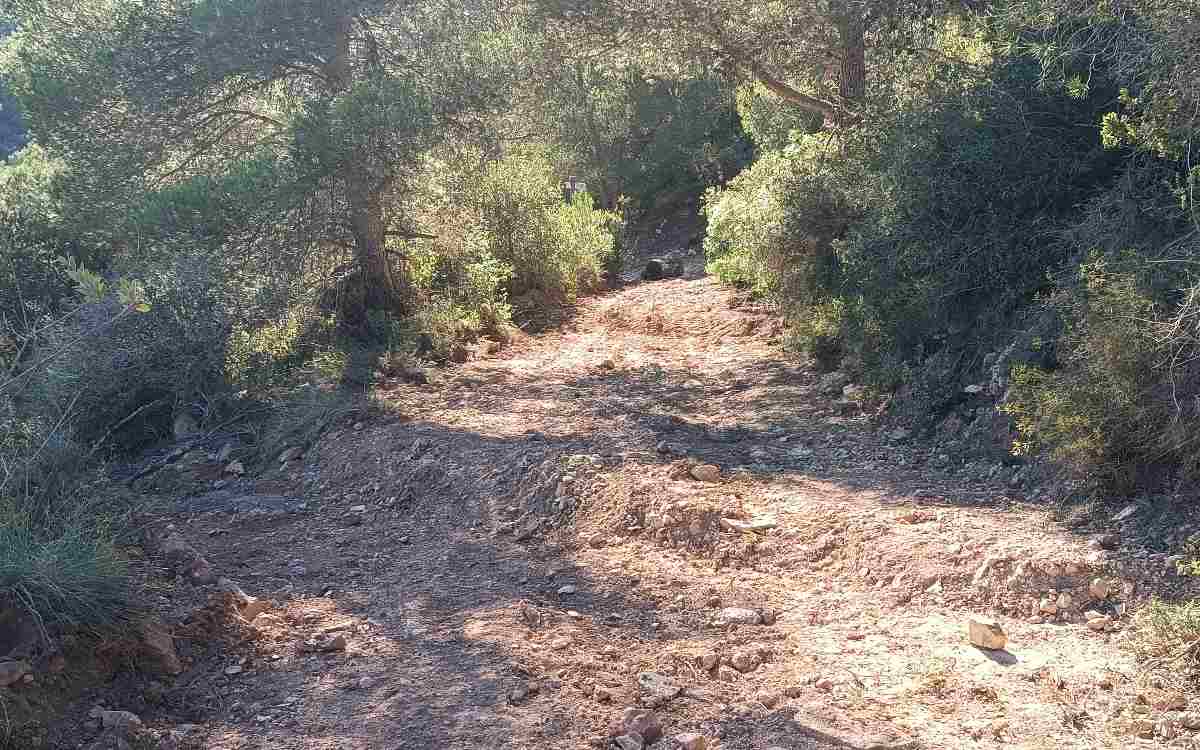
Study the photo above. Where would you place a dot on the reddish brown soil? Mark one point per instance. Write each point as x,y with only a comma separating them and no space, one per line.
491,489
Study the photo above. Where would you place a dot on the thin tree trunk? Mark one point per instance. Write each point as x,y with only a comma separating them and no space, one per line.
852,81
375,285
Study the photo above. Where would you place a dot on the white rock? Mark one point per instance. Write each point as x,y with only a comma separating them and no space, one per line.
755,525
567,590
1098,588
706,473
738,616
985,632
1064,600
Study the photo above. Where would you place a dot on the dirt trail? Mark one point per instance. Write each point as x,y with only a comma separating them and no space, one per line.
507,549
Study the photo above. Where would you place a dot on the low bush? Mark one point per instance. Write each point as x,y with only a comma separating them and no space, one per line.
1166,640
555,250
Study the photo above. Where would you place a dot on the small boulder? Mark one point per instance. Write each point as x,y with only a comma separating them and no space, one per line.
637,721
745,661
738,616
657,689
757,525
833,383
631,741
1098,622
728,674
159,646
691,741
1098,588
986,633
706,473
657,269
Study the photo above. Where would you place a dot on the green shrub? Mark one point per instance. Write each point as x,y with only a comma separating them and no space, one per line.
123,378
773,227
553,249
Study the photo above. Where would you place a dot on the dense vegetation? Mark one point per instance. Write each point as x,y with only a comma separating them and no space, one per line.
224,198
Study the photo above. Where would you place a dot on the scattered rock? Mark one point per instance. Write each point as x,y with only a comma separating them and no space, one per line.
709,662
1142,728
738,616
756,525
637,721
745,661
1048,605
824,684
728,674
249,607
523,691
658,269
1190,721
11,672
325,643
986,633
121,721
632,741
691,741
1098,588
595,541
706,473
560,643
657,689
159,646
566,590
224,454
833,383
1097,621
899,435
1064,601
291,454
235,468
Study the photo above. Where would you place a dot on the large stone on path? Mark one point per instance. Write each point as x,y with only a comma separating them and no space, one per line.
985,632
637,721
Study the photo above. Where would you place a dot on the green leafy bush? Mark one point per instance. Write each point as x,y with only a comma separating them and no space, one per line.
773,227
555,250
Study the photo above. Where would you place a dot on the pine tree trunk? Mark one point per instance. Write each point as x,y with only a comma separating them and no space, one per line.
375,284
852,83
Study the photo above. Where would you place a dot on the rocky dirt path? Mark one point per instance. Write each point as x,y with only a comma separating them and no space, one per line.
652,508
